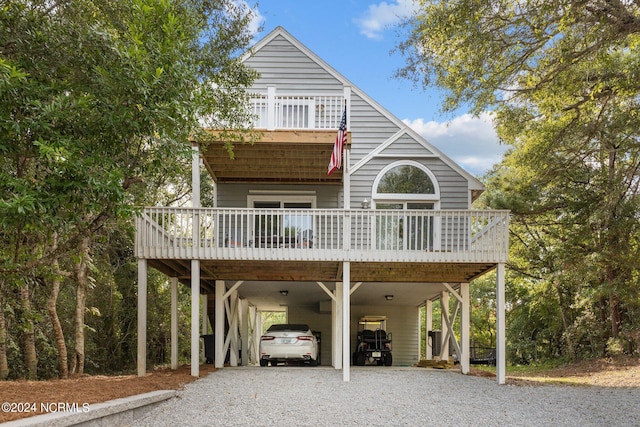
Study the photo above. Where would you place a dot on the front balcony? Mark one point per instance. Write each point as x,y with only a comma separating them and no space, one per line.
283,111
263,237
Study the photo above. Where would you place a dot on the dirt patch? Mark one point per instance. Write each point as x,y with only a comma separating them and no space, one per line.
607,372
29,398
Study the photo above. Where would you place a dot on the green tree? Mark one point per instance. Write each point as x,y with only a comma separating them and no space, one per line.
563,80
97,100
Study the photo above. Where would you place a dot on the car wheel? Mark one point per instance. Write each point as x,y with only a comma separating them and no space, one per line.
313,362
263,362
274,363
360,359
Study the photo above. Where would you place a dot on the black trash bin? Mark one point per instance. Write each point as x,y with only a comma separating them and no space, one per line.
436,342
209,348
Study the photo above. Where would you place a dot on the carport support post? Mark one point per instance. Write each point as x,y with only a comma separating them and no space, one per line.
464,328
195,318
346,316
337,327
218,331
142,317
244,328
174,323
500,326
428,326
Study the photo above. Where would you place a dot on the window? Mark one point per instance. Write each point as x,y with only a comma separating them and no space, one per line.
292,228
411,189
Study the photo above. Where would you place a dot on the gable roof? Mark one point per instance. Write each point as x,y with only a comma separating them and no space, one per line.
475,186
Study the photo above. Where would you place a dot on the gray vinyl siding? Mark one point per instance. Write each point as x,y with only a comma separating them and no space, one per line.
283,65
235,195
402,323
317,321
369,128
453,187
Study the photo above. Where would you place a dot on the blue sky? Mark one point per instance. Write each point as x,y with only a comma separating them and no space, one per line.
356,37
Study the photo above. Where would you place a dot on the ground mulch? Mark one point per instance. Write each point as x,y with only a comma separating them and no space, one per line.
87,389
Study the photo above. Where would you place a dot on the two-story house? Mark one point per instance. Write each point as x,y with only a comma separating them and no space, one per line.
389,232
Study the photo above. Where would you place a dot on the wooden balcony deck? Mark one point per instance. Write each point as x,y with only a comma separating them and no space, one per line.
299,245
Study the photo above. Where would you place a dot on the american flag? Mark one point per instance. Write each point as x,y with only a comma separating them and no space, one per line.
341,138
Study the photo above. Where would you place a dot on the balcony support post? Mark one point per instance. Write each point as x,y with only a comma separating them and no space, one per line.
428,325
142,317
346,320
174,323
500,325
195,318
219,326
336,305
464,328
244,331
271,108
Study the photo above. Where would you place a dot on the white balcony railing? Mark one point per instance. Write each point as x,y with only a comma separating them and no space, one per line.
282,111
323,235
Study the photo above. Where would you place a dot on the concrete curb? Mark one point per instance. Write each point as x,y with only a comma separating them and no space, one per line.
117,412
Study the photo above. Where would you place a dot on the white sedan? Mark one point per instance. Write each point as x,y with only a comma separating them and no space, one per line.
288,342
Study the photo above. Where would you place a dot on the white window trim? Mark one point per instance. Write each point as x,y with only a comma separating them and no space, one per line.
282,198
402,196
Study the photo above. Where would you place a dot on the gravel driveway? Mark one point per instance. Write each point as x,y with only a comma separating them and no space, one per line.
387,396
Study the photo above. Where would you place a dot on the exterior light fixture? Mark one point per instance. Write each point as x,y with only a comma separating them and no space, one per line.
388,297
365,204
284,293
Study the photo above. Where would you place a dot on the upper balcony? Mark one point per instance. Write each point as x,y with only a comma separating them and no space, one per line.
282,111
290,129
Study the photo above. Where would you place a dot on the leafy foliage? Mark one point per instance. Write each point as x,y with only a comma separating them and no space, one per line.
98,101
562,78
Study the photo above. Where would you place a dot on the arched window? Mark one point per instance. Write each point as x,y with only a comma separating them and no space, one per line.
405,181
407,186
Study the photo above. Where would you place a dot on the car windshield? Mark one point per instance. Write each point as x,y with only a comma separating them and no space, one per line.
288,328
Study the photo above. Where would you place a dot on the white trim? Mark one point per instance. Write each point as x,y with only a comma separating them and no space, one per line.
283,198
279,192
377,152
405,196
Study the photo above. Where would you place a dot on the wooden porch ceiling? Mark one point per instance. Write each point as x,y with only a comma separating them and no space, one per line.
290,271
291,156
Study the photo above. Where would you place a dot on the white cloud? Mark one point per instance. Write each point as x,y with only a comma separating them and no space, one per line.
470,141
257,20
381,16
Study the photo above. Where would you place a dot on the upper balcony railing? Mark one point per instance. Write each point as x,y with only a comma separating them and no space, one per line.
275,111
323,235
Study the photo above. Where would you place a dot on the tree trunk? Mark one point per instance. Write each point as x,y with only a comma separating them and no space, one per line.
61,345
28,335
82,282
63,370
4,366
614,315
565,323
